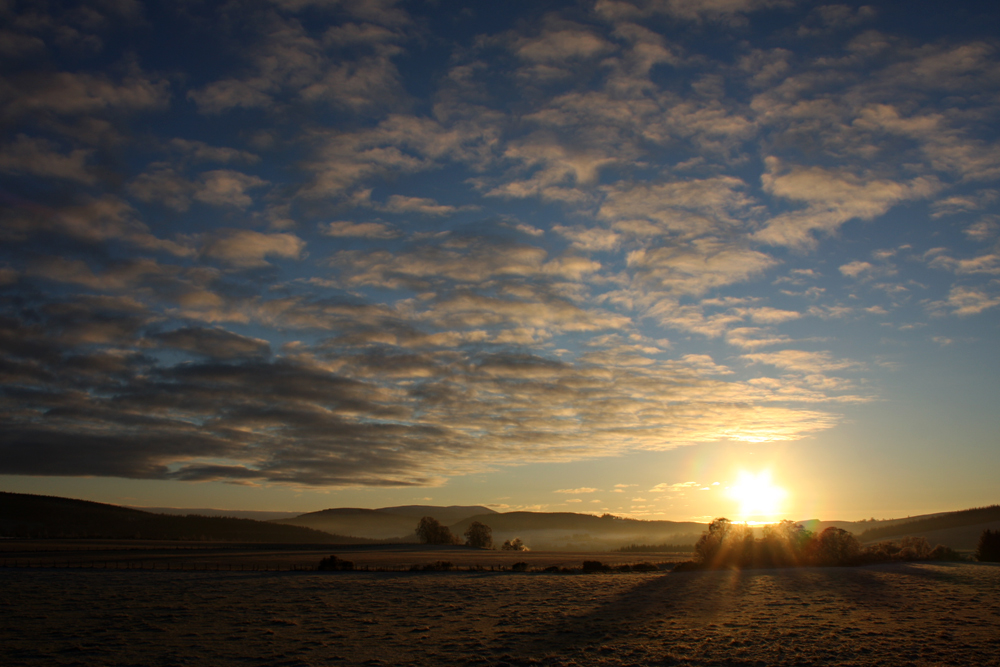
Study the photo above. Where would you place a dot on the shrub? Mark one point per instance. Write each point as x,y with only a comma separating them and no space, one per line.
479,535
438,566
687,566
559,570
941,552
334,563
882,552
914,548
519,567
514,545
595,566
430,531
988,550
835,546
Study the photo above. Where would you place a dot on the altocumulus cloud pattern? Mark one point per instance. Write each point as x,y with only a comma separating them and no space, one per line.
367,242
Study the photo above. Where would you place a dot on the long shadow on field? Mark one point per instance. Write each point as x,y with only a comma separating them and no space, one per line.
704,598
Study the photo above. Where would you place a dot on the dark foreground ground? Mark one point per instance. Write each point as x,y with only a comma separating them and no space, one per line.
899,614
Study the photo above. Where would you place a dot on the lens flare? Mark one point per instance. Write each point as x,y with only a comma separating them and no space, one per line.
757,495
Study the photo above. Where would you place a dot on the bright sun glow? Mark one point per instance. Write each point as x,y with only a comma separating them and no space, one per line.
758,497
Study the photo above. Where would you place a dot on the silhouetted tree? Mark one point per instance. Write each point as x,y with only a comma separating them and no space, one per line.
782,545
430,531
988,550
479,535
835,546
725,544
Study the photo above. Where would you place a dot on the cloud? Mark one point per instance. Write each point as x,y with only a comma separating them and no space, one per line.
242,248
39,157
422,205
663,487
121,275
557,169
225,187
983,230
305,421
856,269
765,315
616,157
165,185
70,94
582,489
199,151
801,361
957,204
89,221
988,264
832,198
213,343
589,239
964,301
691,10
699,266
397,145
289,64
368,230
468,260
561,44
692,207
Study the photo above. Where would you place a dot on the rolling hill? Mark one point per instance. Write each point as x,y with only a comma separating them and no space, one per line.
26,515
568,531
557,531
959,530
385,523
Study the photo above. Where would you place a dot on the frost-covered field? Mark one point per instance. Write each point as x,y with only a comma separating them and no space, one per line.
921,614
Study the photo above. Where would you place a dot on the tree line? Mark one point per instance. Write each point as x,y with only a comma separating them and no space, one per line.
431,531
786,544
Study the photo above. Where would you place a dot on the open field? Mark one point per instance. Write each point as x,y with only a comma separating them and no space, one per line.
170,555
919,614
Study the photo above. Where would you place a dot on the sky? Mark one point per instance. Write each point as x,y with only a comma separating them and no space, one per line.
599,256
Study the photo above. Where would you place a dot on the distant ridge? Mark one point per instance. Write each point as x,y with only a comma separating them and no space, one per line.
396,523
27,515
447,515
936,522
558,531
256,515
569,531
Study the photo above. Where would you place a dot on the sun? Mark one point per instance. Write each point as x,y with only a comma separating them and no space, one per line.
757,495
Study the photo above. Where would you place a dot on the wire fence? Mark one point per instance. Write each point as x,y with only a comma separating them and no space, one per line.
182,567
237,567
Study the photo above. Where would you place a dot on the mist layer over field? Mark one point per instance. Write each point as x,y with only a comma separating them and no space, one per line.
918,614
